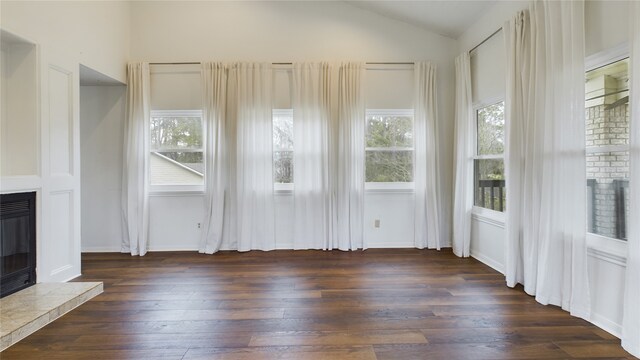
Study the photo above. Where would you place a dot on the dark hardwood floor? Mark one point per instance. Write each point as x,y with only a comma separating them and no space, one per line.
376,304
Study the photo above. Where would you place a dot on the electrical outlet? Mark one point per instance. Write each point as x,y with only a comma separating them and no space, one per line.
198,225
376,223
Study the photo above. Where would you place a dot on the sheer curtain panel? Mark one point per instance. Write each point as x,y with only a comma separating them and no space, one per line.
631,310
523,155
252,219
311,197
214,81
135,171
463,188
546,222
427,198
349,217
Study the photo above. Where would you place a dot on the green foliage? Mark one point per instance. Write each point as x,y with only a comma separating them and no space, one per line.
389,131
491,129
177,133
173,133
389,157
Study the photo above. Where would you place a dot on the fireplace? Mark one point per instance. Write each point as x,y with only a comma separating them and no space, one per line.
17,242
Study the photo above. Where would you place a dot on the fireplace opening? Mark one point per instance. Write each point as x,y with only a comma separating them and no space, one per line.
17,242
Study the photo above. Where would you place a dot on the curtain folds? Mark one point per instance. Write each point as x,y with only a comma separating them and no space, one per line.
522,155
214,81
311,197
135,172
427,197
631,311
463,188
349,206
546,235
251,212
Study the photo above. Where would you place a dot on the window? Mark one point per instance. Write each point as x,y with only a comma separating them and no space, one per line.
389,146
176,145
607,145
283,146
488,163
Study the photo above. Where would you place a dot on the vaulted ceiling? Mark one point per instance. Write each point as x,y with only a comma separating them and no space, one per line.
448,18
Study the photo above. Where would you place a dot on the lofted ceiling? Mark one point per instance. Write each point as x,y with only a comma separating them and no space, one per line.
90,77
448,18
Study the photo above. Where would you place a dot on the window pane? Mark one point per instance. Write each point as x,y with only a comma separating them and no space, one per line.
389,131
283,166
491,129
169,132
489,183
608,193
283,132
389,166
176,168
607,124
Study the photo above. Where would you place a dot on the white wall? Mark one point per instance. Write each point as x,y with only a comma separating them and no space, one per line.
19,118
66,34
606,25
264,31
94,33
102,110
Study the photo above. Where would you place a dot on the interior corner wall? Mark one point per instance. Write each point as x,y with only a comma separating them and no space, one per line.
606,25
172,31
102,113
94,33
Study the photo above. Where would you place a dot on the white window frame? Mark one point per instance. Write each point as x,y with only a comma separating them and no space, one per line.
478,211
390,186
177,189
604,247
282,188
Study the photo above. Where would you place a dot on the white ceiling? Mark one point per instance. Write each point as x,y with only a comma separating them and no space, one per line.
90,77
448,18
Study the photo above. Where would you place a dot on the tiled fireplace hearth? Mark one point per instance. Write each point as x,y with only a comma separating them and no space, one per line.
26,306
28,310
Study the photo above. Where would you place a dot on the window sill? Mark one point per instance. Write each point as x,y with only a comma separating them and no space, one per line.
607,249
176,192
389,187
283,189
489,216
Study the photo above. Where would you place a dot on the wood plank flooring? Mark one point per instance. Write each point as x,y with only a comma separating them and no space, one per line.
373,304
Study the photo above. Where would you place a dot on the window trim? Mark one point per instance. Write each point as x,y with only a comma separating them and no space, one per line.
598,245
386,187
479,211
159,190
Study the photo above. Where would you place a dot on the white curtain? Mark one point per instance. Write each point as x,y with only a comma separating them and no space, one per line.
427,196
251,209
311,115
135,172
522,157
631,310
214,81
545,147
463,190
349,201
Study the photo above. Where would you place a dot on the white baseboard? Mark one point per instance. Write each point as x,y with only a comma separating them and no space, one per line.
106,249
390,245
488,261
606,325
101,249
172,248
